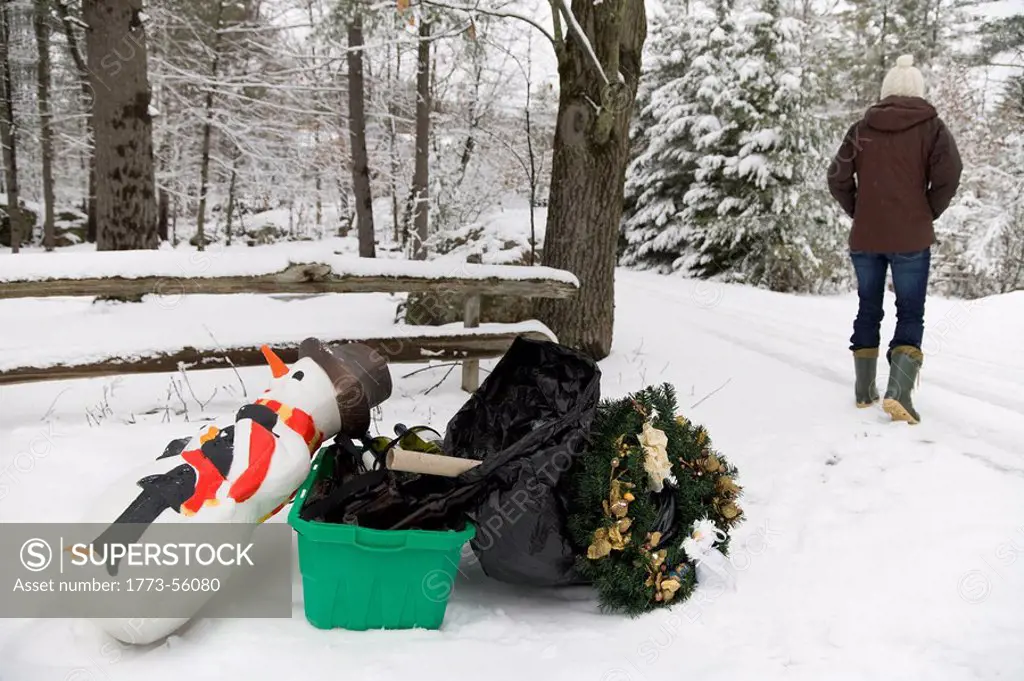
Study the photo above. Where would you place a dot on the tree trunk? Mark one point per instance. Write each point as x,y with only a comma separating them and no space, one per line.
344,209
204,162
421,173
473,117
204,173
42,11
318,182
591,150
393,140
7,135
83,77
90,201
163,214
174,223
126,210
163,196
531,156
357,140
318,179
231,198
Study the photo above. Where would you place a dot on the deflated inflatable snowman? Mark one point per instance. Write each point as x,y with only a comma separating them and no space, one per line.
245,470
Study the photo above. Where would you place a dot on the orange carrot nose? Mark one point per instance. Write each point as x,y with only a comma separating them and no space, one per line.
277,365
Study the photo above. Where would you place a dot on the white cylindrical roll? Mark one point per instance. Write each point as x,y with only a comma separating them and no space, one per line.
428,464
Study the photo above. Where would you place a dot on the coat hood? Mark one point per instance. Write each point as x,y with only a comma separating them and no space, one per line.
895,114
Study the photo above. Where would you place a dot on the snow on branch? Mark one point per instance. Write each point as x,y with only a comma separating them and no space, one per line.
476,9
579,35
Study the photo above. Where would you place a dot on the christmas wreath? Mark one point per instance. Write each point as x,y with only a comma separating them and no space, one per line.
650,501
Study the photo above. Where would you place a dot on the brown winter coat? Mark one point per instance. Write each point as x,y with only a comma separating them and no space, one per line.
896,171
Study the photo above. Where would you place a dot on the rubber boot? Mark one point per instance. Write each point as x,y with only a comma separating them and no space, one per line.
904,365
865,363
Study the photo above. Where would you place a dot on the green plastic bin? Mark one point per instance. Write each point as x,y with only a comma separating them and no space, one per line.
359,578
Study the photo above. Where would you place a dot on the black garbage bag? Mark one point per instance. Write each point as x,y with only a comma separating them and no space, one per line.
528,421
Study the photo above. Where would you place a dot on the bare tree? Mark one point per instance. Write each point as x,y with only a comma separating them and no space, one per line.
529,161
269,107
204,162
86,85
357,137
421,174
318,175
42,28
15,216
231,198
392,132
126,210
163,214
531,156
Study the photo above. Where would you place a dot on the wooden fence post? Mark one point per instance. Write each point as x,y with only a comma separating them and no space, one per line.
471,367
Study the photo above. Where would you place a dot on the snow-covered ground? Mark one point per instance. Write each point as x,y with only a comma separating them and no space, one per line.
872,550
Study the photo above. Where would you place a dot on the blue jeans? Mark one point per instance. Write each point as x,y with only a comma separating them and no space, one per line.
909,279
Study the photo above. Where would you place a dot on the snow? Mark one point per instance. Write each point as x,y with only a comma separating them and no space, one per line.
205,322
991,79
763,139
501,238
872,550
754,164
223,261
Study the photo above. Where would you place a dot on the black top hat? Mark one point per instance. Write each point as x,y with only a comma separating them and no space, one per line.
360,376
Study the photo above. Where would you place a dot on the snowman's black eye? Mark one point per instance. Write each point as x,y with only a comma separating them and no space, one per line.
298,375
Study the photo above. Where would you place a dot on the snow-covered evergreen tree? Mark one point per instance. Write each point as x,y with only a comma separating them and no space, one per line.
756,207
1009,265
1004,37
682,73
727,175
980,248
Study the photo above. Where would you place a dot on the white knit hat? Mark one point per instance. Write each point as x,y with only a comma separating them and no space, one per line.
903,80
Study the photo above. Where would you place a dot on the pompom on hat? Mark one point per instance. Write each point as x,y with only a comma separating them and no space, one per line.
903,80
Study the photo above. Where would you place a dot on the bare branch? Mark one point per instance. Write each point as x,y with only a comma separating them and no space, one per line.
476,9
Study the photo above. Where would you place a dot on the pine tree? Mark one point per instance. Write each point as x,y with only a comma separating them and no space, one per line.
757,208
664,153
1007,248
727,177
1009,265
718,195
980,248
1003,36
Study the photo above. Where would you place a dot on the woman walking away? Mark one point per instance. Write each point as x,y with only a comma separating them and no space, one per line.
896,172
